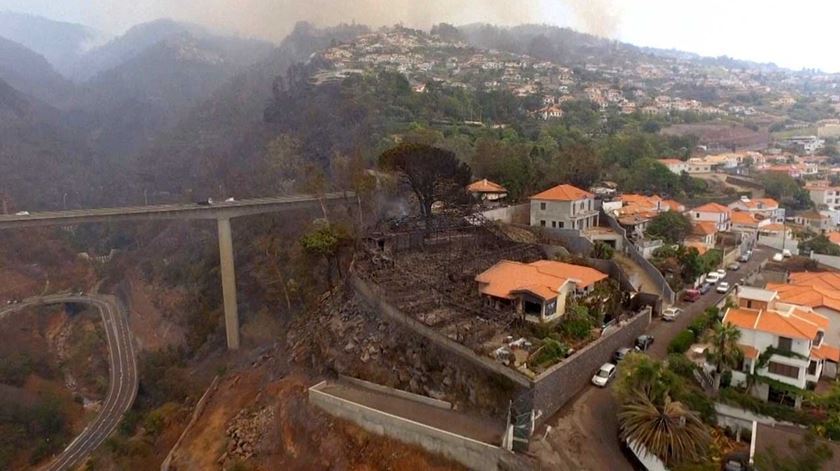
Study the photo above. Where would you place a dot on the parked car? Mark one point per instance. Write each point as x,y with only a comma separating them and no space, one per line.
713,277
744,258
778,257
671,313
705,288
230,200
734,266
721,272
691,295
786,253
22,213
722,287
620,354
207,202
604,375
643,342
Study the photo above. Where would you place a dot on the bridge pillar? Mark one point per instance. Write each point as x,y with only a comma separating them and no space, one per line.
228,283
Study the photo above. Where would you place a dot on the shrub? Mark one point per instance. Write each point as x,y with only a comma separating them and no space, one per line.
698,326
551,351
682,342
700,403
681,365
577,324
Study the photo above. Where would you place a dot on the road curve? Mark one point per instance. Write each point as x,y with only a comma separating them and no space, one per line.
122,387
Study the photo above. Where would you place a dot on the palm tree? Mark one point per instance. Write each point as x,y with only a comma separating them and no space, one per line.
670,431
725,353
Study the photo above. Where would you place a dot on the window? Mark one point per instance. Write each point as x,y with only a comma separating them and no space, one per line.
582,205
812,368
697,215
542,206
561,224
542,223
819,338
553,223
784,344
781,369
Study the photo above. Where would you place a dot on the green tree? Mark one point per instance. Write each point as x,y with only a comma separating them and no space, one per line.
669,430
326,241
670,226
578,165
725,353
821,245
602,251
433,174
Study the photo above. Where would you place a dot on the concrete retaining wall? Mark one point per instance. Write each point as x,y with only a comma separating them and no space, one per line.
827,260
396,392
471,453
553,388
377,302
518,214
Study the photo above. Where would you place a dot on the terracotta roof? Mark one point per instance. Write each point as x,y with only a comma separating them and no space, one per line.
671,161
700,246
674,205
744,218
834,237
543,278
821,279
485,186
759,203
582,276
797,324
774,227
712,208
703,228
826,352
807,295
812,215
749,351
563,193
640,200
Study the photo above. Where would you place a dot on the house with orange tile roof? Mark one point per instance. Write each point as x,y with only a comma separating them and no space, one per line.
485,190
814,220
703,233
539,290
820,299
793,336
564,207
713,212
675,165
761,208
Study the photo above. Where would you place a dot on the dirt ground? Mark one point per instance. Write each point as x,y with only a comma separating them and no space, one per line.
233,429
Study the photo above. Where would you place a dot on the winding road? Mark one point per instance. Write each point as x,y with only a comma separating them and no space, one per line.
122,387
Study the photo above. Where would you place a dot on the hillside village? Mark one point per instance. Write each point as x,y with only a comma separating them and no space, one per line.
472,258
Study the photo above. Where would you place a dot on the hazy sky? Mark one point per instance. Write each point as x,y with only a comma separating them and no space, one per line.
793,34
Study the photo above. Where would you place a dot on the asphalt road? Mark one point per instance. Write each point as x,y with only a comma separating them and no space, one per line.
122,388
590,419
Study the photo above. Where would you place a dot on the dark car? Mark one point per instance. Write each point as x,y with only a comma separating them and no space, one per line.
705,288
620,354
643,342
691,295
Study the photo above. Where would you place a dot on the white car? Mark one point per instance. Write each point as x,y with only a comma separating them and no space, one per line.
786,253
671,313
22,213
230,200
722,287
713,277
721,272
604,375
778,257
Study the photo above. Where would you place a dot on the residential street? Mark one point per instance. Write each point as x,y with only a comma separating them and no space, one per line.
584,434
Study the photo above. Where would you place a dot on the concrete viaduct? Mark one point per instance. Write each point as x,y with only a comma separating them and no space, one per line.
222,212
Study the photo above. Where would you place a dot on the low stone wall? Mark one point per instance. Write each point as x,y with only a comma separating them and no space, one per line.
471,453
827,260
518,214
553,388
377,302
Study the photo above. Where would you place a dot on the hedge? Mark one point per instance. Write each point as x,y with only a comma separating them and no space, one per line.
682,342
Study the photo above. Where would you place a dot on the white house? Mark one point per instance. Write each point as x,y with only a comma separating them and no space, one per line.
792,336
564,207
675,165
713,212
761,208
